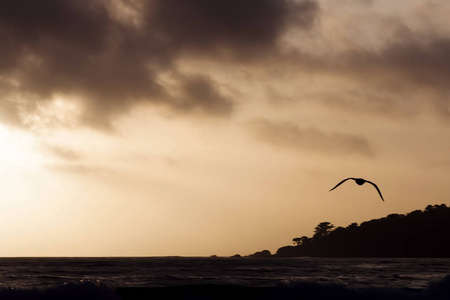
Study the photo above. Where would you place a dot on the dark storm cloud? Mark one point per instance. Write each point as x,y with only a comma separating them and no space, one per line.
200,93
79,48
53,46
289,135
239,28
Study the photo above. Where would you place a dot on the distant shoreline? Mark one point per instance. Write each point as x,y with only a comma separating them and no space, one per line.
418,234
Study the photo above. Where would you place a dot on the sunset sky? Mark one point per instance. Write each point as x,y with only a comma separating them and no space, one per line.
215,127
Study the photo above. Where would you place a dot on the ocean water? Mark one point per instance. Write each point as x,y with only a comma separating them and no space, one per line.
224,278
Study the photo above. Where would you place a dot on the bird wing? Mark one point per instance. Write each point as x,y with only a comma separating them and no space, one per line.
341,183
378,190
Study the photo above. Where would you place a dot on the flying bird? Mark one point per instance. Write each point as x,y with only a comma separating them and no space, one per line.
359,181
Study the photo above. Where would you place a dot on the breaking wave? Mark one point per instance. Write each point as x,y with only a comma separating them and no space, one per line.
71,291
438,290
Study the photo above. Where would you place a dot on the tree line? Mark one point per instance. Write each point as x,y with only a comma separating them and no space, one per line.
416,234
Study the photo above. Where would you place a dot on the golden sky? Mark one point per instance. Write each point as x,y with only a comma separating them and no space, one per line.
193,128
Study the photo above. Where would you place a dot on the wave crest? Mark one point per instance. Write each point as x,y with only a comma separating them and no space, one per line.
438,290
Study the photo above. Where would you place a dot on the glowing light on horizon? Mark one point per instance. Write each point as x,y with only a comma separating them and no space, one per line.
17,150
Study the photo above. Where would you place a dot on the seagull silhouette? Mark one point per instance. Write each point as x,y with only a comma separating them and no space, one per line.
359,181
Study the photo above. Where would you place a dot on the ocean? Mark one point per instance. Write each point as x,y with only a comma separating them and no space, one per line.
224,278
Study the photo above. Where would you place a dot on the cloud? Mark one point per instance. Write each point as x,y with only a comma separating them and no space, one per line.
240,29
289,135
200,93
74,168
67,160
110,55
400,64
9,113
63,153
407,61
365,102
403,71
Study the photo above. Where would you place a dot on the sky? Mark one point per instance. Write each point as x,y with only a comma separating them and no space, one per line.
215,127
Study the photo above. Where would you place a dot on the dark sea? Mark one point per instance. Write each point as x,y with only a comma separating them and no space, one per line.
224,278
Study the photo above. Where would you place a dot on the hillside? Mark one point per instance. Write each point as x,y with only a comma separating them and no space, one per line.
416,234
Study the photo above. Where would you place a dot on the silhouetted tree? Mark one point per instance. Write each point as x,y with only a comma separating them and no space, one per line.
323,229
305,240
301,241
353,226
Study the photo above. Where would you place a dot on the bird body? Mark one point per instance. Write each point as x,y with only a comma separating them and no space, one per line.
360,181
